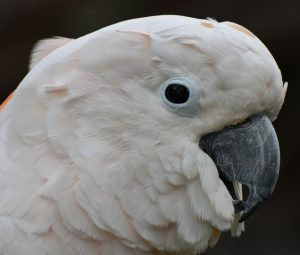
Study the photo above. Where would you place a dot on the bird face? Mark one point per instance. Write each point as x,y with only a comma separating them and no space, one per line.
177,112
189,82
235,91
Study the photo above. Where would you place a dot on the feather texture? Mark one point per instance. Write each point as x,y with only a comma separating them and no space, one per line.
92,162
44,48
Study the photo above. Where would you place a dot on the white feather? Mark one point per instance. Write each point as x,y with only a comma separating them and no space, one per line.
91,160
45,47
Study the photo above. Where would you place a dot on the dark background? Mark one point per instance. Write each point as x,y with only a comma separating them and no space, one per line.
275,228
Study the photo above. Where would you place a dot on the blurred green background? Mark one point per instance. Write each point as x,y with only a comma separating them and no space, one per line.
274,229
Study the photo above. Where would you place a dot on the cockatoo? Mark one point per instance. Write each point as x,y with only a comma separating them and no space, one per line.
137,139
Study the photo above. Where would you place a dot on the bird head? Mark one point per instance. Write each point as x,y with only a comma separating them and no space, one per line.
166,117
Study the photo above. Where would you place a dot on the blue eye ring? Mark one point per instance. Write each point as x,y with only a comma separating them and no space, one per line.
179,94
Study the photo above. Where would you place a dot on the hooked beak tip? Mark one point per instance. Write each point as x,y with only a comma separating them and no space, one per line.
247,153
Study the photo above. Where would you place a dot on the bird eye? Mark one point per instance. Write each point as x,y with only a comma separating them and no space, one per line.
177,93
180,94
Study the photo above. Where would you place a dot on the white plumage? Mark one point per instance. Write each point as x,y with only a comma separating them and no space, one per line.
93,161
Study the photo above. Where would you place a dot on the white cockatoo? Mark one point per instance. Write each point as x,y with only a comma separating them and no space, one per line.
137,138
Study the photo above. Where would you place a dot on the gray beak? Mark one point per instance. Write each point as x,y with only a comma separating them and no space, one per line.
247,153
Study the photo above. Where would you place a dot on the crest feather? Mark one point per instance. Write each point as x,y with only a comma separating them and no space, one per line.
44,47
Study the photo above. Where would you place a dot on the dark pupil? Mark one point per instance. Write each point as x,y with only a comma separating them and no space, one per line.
177,94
